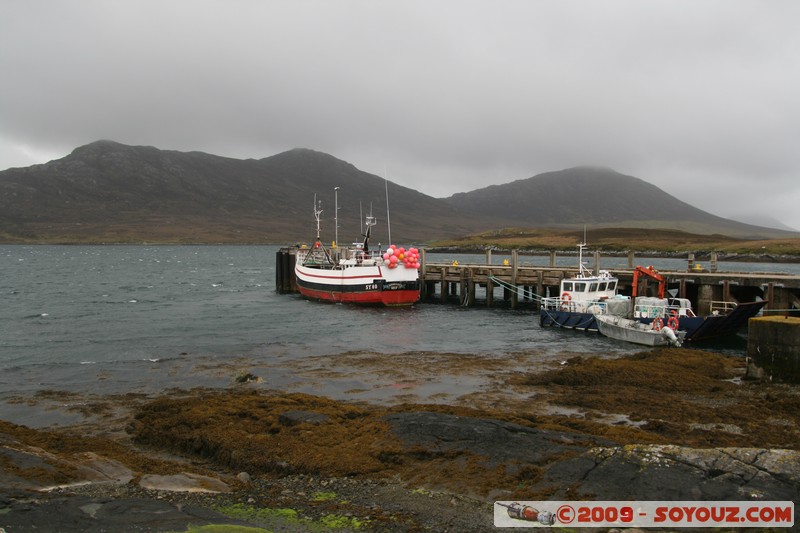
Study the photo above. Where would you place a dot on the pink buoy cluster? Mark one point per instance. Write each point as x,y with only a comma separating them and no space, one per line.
395,256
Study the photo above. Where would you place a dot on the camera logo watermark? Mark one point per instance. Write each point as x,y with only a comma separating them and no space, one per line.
643,514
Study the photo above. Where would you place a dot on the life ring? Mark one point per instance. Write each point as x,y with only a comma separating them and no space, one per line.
658,324
566,298
673,321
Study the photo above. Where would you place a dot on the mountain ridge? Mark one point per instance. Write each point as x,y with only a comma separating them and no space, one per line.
111,192
583,195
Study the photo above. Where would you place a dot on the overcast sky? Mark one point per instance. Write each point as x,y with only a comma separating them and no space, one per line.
697,97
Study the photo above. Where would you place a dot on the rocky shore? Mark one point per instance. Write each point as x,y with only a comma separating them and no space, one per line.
667,424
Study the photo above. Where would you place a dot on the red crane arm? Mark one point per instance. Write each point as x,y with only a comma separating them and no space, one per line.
650,272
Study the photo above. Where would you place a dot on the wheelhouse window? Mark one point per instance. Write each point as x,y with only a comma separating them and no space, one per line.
603,285
580,286
568,286
612,285
593,287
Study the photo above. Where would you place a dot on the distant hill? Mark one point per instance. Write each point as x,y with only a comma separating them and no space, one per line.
111,192
765,221
598,197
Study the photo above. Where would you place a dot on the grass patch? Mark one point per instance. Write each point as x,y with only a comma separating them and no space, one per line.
225,528
279,517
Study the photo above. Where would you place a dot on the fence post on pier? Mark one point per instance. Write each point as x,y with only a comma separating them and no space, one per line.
779,297
596,263
705,295
713,263
466,291
470,288
726,290
489,256
630,259
445,287
514,265
539,287
552,258
770,296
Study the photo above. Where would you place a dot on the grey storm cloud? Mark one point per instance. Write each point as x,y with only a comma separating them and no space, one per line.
698,98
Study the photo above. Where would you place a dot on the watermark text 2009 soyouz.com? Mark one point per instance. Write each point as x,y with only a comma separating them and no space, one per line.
644,513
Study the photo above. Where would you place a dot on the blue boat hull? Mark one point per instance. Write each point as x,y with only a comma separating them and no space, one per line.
697,328
567,319
700,328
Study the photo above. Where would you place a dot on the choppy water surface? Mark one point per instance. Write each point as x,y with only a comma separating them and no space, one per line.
117,319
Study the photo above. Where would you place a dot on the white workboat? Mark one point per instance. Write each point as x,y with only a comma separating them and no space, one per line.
625,329
584,297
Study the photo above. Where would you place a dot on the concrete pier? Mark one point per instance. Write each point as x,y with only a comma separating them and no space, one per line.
773,347
477,283
708,291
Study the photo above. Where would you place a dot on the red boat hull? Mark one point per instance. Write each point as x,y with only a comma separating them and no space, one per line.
370,297
359,285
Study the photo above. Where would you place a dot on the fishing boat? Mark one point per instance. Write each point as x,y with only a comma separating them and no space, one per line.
582,298
356,274
724,319
629,330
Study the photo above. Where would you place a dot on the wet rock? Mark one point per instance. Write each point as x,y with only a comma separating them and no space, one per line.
497,440
292,418
81,513
52,471
246,377
667,472
244,477
183,483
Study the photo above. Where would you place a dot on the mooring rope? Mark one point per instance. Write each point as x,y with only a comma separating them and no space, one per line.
524,293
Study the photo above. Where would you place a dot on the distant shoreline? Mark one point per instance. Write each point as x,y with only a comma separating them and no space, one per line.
650,254
698,256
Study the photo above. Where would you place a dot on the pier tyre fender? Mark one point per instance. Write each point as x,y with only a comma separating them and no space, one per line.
673,323
565,300
658,324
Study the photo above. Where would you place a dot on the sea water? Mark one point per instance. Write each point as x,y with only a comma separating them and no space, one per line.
116,319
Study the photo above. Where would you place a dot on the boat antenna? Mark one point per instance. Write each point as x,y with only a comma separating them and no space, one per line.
581,246
388,222
336,215
370,222
361,217
317,212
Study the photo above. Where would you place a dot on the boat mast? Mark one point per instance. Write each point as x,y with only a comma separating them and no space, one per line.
388,222
336,215
317,213
581,246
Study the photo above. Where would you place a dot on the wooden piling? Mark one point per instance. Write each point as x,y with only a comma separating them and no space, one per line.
514,267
